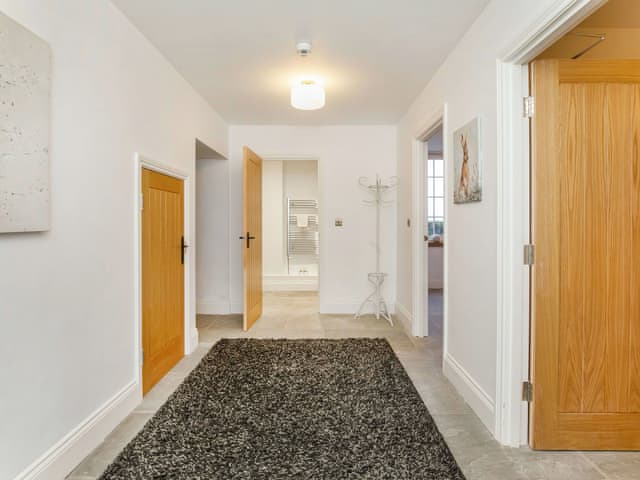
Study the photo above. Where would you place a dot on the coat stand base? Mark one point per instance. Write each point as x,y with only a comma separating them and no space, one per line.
376,299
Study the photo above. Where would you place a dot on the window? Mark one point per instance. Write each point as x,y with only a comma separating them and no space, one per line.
435,197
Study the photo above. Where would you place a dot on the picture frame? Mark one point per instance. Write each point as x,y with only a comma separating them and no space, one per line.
467,166
25,118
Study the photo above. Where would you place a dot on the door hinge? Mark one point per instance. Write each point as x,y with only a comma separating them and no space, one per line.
142,201
529,254
529,107
527,391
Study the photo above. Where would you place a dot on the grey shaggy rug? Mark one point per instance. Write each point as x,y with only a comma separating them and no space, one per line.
305,409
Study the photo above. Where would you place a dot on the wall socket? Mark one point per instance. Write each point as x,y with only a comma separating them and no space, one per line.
338,222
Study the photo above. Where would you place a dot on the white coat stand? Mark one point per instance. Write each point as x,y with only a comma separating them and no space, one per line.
378,190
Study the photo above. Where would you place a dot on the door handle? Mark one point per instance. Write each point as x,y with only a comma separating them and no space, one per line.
248,237
183,247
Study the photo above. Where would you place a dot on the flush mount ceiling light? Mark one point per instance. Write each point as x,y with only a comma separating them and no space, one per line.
307,93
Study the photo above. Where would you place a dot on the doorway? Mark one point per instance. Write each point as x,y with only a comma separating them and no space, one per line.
429,209
163,278
291,225
434,173
212,232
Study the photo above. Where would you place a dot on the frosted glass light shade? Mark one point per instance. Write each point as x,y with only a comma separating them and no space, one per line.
307,95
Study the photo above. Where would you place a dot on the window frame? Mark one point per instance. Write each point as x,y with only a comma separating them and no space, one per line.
431,218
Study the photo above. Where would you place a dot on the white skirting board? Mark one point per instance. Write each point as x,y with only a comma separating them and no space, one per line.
405,318
479,400
218,307
69,451
290,283
193,341
213,307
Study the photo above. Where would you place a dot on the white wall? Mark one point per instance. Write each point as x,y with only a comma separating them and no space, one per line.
467,83
344,153
301,183
67,296
282,179
274,260
212,236
301,179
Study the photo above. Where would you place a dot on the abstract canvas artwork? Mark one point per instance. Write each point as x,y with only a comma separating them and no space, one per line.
467,185
25,111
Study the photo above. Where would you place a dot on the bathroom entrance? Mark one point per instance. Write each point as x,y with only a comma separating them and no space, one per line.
291,225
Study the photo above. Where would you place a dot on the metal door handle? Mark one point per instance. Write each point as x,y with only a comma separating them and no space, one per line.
183,247
248,237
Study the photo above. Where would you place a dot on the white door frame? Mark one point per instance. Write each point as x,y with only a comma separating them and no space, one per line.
141,162
512,414
420,317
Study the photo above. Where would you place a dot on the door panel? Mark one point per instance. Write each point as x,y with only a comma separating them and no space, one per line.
586,229
252,237
162,276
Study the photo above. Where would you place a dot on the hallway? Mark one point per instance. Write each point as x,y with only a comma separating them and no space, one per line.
164,164
293,315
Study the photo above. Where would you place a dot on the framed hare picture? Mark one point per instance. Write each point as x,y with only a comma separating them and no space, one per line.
467,179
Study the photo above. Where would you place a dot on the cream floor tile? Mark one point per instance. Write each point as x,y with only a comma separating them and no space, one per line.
616,465
101,457
211,335
294,315
272,320
554,465
445,404
287,333
159,394
348,322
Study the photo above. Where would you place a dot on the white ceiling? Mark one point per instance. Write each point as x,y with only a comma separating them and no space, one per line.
375,56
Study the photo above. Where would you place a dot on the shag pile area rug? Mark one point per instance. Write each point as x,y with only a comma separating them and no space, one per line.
280,409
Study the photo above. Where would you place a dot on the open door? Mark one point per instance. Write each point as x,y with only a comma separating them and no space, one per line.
585,362
252,237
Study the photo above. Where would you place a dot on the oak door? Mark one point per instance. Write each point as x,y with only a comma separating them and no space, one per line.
586,277
162,275
252,237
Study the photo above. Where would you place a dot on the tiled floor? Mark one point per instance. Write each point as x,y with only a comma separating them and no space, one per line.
293,315
435,313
